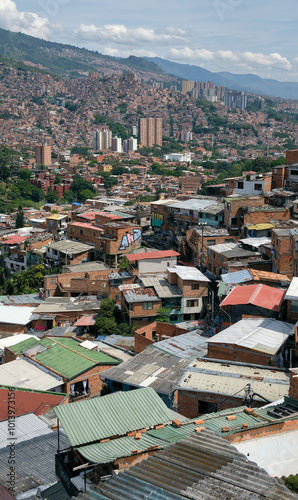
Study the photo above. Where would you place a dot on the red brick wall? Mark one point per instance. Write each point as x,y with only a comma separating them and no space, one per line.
95,383
188,402
261,431
141,342
292,156
266,216
89,234
233,353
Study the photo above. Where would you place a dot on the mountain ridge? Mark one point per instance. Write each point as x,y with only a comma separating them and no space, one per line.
244,82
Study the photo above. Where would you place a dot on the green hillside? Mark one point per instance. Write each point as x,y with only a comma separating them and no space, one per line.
63,59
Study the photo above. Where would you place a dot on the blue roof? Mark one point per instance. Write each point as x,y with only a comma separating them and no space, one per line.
78,204
237,277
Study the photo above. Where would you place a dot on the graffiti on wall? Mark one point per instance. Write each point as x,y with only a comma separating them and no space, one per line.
128,239
157,220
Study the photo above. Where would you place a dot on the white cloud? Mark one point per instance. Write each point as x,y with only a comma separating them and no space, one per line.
120,34
27,22
245,60
111,51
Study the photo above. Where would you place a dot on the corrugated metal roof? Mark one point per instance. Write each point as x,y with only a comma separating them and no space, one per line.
66,356
292,293
188,274
25,374
229,379
236,277
187,345
35,462
256,242
16,315
26,428
201,467
161,286
15,339
262,335
257,295
55,492
118,413
150,368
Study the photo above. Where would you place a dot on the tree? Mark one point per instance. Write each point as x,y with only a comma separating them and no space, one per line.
163,315
108,308
69,196
20,218
52,197
85,194
24,174
58,179
105,326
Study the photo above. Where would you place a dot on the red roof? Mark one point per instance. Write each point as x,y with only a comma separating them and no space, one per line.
110,215
86,225
256,295
162,254
85,321
13,240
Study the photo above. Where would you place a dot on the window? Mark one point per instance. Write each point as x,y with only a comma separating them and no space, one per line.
294,172
117,297
81,231
192,303
195,286
234,221
53,281
294,305
229,240
147,305
240,185
258,187
80,388
210,242
207,407
186,317
165,209
173,317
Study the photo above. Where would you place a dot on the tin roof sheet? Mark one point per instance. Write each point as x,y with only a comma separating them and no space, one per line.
151,368
236,277
231,380
187,345
15,315
201,467
262,335
22,373
188,274
26,428
292,293
257,295
118,413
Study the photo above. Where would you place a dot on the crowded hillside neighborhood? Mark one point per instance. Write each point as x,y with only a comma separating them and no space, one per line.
148,291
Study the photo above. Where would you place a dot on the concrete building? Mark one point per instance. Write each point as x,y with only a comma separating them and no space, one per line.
116,144
43,155
150,132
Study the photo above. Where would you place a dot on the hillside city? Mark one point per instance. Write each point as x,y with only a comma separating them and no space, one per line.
149,287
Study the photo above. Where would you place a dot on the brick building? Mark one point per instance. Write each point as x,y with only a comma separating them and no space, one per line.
79,367
210,386
84,232
118,239
198,239
228,257
250,301
139,304
102,283
257,341
282,257
155,332
69,252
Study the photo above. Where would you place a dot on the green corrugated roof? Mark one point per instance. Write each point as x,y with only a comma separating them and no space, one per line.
68,359
27,344
118,413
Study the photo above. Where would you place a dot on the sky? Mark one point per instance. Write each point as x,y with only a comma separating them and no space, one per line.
239,36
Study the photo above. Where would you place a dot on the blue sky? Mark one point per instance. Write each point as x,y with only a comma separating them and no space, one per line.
241,36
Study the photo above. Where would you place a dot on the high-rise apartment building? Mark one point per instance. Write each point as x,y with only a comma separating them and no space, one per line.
97,140
117,144
235,99
187,86
130,144
106,139
43,155
150,132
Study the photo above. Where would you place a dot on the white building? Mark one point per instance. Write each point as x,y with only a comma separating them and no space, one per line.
181,157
